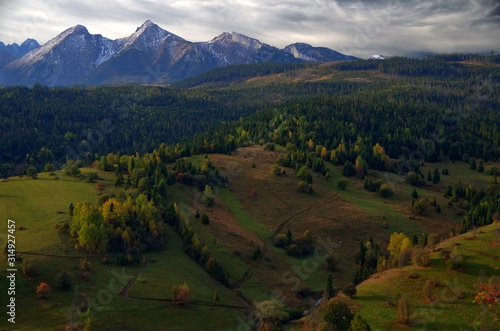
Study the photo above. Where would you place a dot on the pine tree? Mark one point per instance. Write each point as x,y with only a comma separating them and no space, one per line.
429,176
329,286
481,166
90,321
414,194
288,238
473,164
436,177
215,297
204,219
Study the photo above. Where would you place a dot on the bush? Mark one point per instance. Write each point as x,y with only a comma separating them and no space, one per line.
64,280
342,184
180,294
294,250
338,315
302,187
491,170
276,170
414,179
350,290
404,310
359,324
386,191
280,240
270,146
418,206
43,290
428,289
304,292
421,257
208,196
31,268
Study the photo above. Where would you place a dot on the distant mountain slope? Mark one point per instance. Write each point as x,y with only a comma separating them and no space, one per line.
19,50
315,54
150,55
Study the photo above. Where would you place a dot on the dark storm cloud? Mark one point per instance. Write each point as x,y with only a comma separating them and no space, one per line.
358,27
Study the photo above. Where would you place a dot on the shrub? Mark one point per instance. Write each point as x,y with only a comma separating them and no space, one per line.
304,292
404,310
338,315
180,294
280,240
428,289
421,257
294,250
64,280
386,191
359,324
302,187
342,184
43,290
418,206
350,290
270,146
31,268
276,170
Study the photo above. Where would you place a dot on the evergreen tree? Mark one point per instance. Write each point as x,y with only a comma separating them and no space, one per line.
472,164
414,194
436,177
329,286
288,238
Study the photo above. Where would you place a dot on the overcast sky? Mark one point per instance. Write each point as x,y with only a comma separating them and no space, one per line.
356,27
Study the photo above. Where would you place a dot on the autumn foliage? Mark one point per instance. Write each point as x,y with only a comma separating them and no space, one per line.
43,290
489,295
180,294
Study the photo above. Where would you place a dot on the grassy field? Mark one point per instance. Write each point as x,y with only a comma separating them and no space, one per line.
452,304
37,206
239,222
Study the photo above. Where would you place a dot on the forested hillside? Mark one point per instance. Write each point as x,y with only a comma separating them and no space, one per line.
428,109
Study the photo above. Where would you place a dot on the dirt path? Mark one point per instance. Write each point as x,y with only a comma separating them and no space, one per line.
270,240
124,291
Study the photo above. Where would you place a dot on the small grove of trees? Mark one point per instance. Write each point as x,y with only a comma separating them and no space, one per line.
128,227
300,246
195,248
272,313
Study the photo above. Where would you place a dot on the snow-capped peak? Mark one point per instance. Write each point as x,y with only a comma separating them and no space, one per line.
245,41
376,57
148,36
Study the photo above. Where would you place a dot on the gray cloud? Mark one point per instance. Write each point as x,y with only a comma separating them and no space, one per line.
357,27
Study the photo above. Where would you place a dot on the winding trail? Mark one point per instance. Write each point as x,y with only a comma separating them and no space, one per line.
270,240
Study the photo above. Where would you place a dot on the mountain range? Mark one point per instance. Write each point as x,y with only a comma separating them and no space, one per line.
150,55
